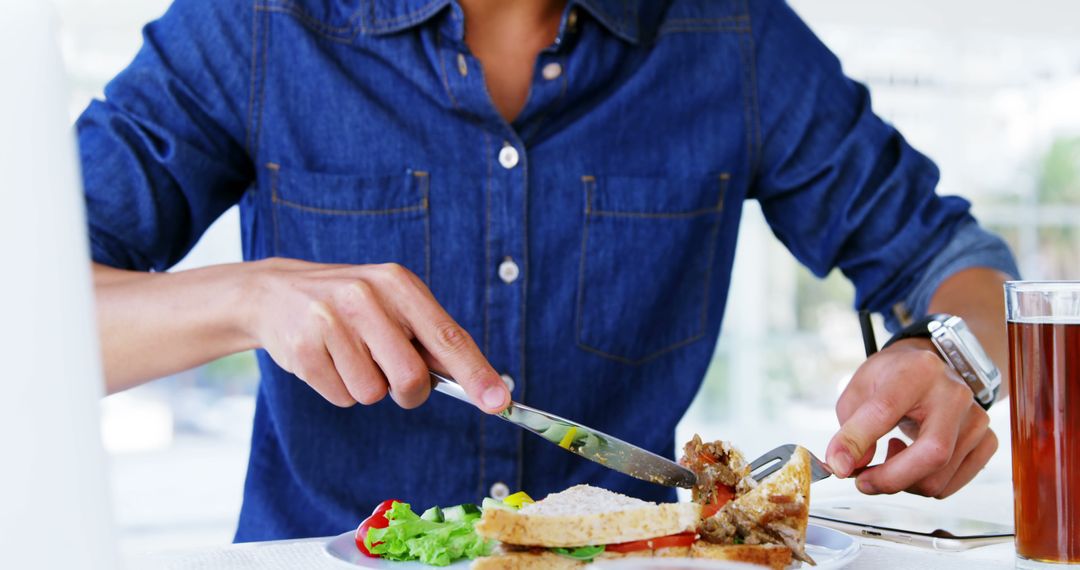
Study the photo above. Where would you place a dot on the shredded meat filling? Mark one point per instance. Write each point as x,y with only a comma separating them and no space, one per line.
718,464
715,464
731,525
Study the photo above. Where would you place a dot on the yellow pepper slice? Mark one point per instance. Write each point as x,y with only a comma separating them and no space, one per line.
518,499
568,438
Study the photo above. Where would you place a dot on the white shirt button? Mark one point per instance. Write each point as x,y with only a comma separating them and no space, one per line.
499,491
509,381
509,271
462,65
551,71
508,157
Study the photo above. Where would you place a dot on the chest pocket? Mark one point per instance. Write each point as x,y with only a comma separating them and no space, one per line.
647,252
334,218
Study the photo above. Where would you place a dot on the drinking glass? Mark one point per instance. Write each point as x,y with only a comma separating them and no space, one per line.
1043,321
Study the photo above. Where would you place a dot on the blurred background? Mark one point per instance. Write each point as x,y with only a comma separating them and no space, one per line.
989,89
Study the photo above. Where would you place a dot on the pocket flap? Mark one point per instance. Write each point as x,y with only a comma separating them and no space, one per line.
653,196
348,194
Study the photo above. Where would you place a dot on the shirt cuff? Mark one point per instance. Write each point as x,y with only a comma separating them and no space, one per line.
971,246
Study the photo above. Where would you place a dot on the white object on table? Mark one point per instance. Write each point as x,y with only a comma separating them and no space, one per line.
54,510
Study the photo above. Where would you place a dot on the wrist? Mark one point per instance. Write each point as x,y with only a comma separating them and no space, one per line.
913,344
244,289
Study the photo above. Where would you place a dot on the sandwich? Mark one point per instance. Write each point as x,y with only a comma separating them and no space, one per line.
768,518
573,527
731,518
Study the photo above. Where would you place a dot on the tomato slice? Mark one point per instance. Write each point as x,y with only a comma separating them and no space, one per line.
681,539
724,494
376,520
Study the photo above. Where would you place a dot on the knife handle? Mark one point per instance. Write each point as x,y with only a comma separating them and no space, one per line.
448,386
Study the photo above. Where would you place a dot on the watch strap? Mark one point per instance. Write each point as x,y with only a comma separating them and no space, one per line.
917,329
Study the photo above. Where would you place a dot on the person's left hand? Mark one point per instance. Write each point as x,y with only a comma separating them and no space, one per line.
910,386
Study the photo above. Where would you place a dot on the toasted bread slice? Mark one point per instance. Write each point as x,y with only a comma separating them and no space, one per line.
526,561
771,555
543,559
587,515
782,501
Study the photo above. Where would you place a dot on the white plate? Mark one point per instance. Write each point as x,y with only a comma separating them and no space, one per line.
829,548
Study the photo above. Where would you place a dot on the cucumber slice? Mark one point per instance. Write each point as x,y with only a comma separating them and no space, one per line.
490,503
434,514
464,512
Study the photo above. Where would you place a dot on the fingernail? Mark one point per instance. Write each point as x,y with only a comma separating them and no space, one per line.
841,463
866,487
494,397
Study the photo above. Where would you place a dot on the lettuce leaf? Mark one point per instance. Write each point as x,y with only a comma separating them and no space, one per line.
437,544
582,553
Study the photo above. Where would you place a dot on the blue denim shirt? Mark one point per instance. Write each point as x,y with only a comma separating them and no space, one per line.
587,246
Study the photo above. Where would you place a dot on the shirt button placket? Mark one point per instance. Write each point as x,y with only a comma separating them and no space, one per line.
507,231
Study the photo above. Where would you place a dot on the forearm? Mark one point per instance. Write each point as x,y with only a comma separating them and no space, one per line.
977,296
155,324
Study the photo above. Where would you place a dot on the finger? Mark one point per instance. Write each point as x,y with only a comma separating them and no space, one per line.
869,422
362,377
406,373
316,368
451,345
972,464
972,432
930,452
364,315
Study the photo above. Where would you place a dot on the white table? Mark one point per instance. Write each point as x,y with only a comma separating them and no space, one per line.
987,501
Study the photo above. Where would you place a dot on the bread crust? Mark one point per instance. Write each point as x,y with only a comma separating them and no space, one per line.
776,557
771,555
642,523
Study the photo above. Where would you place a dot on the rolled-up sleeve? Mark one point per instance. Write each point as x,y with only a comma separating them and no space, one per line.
971,246
165,152
840,187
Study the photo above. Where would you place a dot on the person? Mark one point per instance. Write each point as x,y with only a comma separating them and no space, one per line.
539,198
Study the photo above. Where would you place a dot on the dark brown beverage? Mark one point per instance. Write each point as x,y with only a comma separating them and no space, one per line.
1044,361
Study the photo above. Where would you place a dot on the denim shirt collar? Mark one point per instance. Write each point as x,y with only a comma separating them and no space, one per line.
620,17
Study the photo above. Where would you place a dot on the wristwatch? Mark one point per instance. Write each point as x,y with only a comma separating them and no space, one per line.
959,348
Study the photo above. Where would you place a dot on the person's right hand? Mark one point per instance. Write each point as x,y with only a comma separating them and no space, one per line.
357,332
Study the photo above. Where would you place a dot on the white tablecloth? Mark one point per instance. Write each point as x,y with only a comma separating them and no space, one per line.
992,502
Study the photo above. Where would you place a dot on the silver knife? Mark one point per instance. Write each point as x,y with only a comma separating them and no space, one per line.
593,445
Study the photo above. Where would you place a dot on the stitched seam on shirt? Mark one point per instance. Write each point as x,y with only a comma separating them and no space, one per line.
646,358
251,83
333,212
725,19
702,28
339,35
262,89
409,17
442,67
487,241
274,169
424,180
522,376
657,215
710,258
553,107
488,153
756,151
589,183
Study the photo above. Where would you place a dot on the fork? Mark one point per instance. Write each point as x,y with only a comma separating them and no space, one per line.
772,460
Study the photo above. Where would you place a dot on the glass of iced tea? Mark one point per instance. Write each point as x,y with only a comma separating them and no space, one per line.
1043,320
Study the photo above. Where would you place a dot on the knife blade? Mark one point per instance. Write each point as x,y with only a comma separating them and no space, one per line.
586,442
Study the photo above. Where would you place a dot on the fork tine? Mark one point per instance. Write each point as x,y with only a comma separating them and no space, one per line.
771,461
